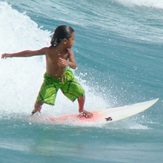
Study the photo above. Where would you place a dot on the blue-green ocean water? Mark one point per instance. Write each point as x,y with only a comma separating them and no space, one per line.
119,51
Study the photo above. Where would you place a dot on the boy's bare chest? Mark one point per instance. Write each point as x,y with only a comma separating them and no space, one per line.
55,57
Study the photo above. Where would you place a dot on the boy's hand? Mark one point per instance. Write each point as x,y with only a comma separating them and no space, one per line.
5,55
62,62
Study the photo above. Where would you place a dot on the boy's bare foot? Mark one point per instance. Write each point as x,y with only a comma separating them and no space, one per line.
85,114
36,110
37,107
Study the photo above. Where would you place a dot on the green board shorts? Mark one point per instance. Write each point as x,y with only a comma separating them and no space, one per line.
68,85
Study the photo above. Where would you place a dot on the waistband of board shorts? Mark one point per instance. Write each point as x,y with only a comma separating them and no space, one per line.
67,75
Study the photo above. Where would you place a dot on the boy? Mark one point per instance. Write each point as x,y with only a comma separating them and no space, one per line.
58,56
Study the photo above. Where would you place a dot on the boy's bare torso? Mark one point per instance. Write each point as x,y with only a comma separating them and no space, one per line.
52,62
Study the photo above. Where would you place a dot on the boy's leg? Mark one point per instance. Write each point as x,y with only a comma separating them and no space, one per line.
73,90
81,102
83,113
47,93
37,107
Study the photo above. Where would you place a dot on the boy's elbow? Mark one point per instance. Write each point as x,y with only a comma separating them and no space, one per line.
75,66
72,65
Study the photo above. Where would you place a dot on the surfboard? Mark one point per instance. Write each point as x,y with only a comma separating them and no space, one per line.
108,115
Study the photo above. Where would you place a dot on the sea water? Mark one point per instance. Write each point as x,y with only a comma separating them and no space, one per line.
119,52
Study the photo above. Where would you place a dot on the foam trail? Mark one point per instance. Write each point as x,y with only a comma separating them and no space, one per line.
21,78
146,3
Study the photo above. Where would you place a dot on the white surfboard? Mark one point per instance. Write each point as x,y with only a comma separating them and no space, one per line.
107,115
127,111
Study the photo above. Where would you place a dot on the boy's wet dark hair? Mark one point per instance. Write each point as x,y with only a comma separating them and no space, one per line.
60,33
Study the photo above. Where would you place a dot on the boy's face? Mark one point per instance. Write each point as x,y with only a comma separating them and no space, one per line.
70,41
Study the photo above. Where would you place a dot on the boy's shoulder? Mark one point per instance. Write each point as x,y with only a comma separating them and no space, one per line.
50,48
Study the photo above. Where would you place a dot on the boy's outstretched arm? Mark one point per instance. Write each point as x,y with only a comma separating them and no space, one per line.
25,53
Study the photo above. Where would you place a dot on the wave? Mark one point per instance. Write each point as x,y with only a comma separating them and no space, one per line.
106,18
22,77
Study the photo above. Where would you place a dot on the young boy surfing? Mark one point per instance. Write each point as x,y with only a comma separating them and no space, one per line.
59,56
